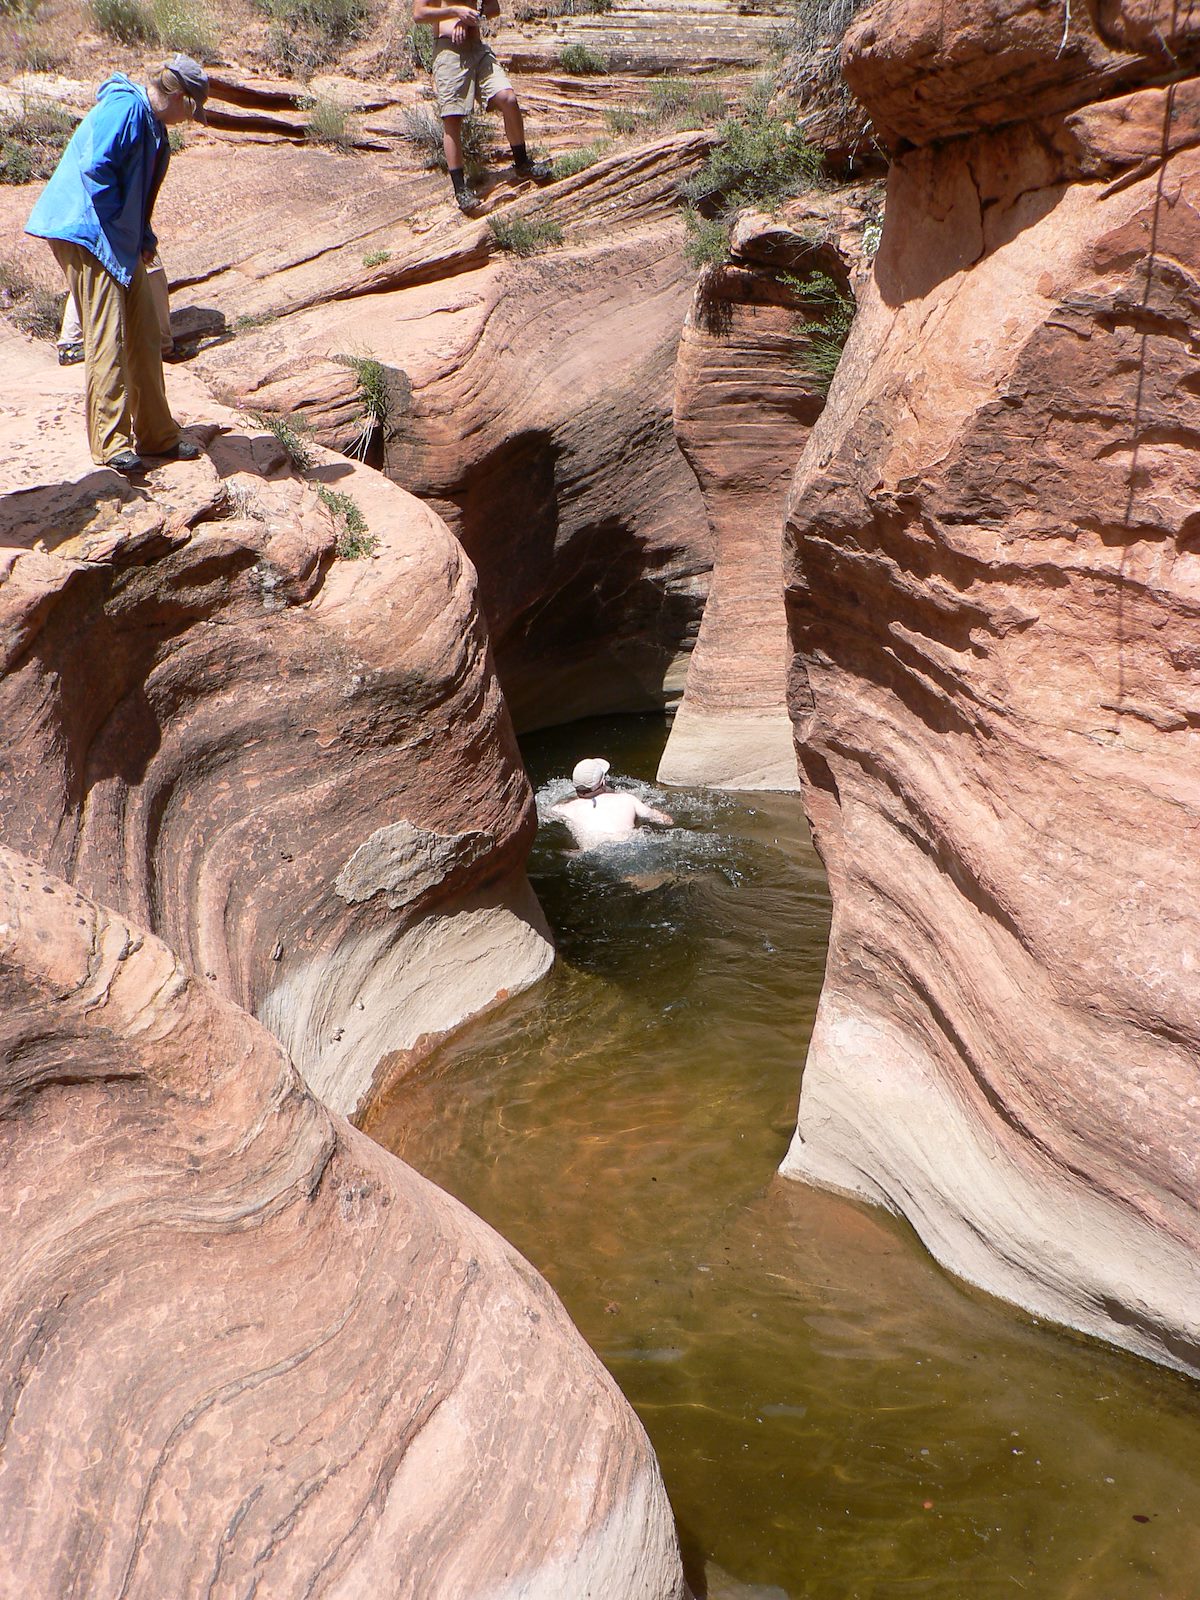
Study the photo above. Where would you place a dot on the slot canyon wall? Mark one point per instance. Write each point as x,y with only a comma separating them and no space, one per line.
994,607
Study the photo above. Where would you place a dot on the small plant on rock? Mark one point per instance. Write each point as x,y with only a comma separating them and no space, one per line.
355,539
290,432
825,328
581,60
573,161
524,236
376,258
374,397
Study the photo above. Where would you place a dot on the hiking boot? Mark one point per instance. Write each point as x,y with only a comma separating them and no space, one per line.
183,450
537,169
70,354
467,200
128,461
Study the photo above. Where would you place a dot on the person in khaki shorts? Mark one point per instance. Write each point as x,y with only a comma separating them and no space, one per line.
95,213
465,71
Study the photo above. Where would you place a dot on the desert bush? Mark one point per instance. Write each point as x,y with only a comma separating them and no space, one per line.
185,25
524,236
329,125
674,102
422,128
376,258
34,56
355,539
573,161
581,60
306,34
823,328
128,21
31,140
33,309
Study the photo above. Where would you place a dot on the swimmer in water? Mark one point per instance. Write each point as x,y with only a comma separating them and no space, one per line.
600,815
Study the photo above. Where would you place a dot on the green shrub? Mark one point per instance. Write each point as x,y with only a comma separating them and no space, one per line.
329,125
355,539
524,236
676,103
290,432
185,25
566,166
376,258
32,140
824,330
419,41
125,20
580,60
33,309
707,242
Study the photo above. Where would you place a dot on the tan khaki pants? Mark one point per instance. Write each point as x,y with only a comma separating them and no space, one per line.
71,331
126,395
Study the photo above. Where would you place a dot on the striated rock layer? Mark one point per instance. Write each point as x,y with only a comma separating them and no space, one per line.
298,771
746,394
994,603
246,1351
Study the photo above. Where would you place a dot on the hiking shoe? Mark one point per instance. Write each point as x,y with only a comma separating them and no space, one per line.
128,461
70,354
538,170
467,200
184,450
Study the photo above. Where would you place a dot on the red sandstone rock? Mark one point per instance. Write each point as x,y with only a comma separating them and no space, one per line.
927,71
744,401
993,603
244,1348
299,771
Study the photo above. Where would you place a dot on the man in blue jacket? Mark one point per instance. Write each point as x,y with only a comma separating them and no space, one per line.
95,212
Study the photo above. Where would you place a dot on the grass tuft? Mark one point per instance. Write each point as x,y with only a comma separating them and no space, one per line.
524,236
376,258
329,125
185,25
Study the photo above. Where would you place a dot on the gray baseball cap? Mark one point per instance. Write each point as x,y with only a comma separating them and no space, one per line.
194,80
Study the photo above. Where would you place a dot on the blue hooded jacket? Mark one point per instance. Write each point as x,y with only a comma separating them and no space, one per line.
104,187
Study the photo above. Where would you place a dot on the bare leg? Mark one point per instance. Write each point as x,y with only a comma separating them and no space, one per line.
452,142
514,123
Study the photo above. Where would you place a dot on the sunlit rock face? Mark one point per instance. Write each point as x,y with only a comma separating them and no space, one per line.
993,602
247,1351
297,770
747,391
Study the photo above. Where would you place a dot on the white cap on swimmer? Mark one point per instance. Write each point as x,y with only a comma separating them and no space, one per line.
589,774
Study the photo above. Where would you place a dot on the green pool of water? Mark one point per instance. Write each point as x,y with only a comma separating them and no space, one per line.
835,1417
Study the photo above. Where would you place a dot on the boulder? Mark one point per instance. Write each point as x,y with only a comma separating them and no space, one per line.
248,1351
297,769
993,603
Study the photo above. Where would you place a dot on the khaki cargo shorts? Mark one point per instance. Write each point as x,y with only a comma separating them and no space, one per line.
463,73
